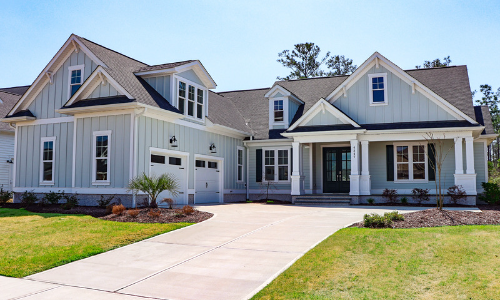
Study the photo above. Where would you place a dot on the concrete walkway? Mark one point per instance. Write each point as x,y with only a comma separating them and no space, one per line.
231,256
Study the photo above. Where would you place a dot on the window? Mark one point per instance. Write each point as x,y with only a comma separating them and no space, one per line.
194,101
200,163
212,165
411,162
278,110
158,159
176,161
378,91
75,79
240,164
47,161
276,165
101,157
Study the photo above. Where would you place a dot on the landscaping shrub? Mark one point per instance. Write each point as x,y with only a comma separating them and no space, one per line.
109,209
394,216
378,221
28,198
404,200
420,195
390,195
118,209
169,201
371,200
133,212
178,213
156,213
105,201
5,196
491,193
456,193
52,197
187,209
71,201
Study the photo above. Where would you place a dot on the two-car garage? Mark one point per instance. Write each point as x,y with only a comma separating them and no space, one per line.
207,175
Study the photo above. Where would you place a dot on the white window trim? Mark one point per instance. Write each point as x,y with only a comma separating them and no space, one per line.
285,112
276,173
370,88
196,86
72,68
94,158
242,149
410,163
43,140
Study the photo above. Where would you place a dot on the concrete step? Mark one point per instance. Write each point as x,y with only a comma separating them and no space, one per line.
329,202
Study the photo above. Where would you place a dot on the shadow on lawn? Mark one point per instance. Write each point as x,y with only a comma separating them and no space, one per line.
21,212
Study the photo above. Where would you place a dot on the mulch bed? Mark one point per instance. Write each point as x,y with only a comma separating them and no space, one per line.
166,215
435,217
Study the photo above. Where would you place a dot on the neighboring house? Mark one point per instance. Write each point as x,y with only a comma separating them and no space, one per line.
94,118
8,98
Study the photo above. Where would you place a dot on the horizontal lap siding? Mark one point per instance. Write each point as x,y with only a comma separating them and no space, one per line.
119,126
156,133
28,155
6,153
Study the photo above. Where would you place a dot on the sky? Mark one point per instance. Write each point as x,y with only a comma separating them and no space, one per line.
238,41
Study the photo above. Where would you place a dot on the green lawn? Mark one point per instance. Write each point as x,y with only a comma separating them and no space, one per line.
33,242
459,262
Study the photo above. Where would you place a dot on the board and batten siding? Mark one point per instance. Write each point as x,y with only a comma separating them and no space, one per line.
479,164
191,76
161,84
6,154
119,159
54,96
157,133
403,106
325,118
28,156
103,91
292,110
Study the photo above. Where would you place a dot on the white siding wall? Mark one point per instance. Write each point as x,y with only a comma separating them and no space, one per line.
6,153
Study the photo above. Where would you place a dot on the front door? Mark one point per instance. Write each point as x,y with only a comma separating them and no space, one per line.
336,169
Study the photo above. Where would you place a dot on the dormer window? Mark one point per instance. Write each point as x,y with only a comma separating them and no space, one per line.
194,100
278,110
378,89
75,79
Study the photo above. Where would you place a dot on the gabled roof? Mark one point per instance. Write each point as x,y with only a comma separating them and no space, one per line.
8,101
223,111
483,117
164,66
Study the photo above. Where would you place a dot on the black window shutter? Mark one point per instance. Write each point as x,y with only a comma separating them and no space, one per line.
431,151
390,162
291,159
258,167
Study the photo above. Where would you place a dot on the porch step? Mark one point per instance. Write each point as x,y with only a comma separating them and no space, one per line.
330,200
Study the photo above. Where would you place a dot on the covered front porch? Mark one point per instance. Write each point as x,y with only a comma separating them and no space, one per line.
364,164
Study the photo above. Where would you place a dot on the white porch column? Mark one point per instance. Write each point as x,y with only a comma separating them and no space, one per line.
296,178
354,178
467,180
365,181
459,162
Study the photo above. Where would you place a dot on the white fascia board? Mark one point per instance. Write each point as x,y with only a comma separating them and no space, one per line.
272,142
196,66
224,130
278,88
17,119
54,64
321,105
377,58
97,108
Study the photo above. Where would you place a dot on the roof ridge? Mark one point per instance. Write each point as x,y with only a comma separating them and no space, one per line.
321,77
233,91
111,50
175,62
445,67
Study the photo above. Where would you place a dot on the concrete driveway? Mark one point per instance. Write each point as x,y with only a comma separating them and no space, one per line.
231,256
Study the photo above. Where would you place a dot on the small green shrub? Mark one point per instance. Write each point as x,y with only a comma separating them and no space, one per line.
5,196
249,201
371,200
71,201
270,201
105,201
491,193
420,195
390,195
28,198
394,216
52,197
376,221
404,200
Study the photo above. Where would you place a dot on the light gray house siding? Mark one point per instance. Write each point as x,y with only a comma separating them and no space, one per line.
6,154
54,96
103,91
157,133
403,106
292,110
28,154
323,119
191,76
161,84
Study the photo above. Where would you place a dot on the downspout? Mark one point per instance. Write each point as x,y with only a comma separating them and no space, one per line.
14,126
135,115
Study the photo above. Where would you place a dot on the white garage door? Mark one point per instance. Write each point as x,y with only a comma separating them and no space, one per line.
162,164
207,187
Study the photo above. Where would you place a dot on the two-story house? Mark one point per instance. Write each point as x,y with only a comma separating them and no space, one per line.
94,118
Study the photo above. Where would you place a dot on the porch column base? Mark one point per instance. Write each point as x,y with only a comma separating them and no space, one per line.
365,185
468,182
297,185
355,182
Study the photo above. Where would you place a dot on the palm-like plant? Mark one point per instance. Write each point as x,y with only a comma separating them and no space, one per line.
153,185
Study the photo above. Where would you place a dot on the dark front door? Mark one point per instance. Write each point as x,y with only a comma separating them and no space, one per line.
336,169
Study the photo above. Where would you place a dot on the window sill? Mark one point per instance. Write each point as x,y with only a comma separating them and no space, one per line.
101,183
46,183
378,104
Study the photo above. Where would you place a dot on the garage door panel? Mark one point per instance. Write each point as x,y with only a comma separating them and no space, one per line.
207,185
176,167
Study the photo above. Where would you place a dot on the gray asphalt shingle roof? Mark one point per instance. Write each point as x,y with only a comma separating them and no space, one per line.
18,90
164,66
483,117
9,100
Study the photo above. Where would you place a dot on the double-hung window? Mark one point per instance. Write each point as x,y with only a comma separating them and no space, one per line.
411,162
101,151
239,170
276,165
47,161
191,100
378,89
278,111
75,78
